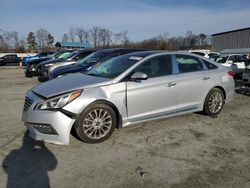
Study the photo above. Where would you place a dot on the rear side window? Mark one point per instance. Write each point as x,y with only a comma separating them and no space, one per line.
157,66
210,65
188,63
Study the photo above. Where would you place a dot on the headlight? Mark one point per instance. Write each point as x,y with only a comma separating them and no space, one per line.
49,65
58,102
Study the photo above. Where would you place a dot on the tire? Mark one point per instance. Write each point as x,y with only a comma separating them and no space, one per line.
214,102
100,121
43,78
28,74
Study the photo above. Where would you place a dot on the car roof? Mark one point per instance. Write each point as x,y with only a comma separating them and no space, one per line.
113,50
141,54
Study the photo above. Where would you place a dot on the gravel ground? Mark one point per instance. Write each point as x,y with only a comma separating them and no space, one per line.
191,150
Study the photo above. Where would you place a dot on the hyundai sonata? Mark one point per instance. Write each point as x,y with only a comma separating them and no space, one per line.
125,90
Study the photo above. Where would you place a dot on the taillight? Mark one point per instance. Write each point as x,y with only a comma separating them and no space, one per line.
231,73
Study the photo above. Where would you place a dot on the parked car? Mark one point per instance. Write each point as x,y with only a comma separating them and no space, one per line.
31,67
125,90
26,60
209,55
44,68
91,60
237,62
10,58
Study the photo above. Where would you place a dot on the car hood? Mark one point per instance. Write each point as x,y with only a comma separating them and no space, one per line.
54,61
69,83
38,60
67,69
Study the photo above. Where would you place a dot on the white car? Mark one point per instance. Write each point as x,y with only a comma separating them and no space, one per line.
234,61
210,55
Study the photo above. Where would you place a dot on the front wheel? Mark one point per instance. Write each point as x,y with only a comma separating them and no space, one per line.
214,102
96,123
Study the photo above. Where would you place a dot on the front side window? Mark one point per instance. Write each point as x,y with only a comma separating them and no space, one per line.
188,63
157,66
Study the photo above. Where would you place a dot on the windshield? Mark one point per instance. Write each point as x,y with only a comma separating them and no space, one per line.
64,55
91,59
114,67
54,55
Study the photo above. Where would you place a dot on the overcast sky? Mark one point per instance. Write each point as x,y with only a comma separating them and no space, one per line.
141,18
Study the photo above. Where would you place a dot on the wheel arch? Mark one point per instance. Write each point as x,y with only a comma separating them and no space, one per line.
102,101
223,91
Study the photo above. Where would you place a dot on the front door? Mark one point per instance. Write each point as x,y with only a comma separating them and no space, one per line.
155,96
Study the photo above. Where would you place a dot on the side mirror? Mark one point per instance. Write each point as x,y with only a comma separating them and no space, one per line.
230,62
139,76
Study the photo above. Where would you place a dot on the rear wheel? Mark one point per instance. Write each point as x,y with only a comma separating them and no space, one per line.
96,123
214,102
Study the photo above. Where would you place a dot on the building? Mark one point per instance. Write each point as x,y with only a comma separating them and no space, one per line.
73,45
236,40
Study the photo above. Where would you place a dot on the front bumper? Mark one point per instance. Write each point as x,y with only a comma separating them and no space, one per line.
49,126
30,70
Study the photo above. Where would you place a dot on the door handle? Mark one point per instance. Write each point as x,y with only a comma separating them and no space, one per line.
171,84
206,78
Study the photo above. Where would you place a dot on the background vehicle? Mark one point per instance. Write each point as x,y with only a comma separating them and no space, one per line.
125,90
209,55
44,68
27,59
88,62
11,58
31,66
237,62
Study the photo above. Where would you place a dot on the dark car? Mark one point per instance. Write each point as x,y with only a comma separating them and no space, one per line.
44,68
10,58
31,67
91,60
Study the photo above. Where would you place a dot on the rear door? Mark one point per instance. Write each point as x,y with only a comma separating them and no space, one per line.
193,82
155,96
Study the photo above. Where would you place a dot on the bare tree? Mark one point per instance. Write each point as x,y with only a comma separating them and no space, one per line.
121,38
65,38
86,36
42,37
104,37
72,34
94,35
1,42
22,46
16,39
82,34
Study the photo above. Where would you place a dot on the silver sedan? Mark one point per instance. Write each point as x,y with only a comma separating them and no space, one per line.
125,90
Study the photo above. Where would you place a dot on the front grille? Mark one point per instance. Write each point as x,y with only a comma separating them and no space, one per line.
27,103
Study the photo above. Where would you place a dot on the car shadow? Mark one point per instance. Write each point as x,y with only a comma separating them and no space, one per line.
28,166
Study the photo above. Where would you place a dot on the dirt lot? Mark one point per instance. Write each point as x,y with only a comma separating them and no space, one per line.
186,151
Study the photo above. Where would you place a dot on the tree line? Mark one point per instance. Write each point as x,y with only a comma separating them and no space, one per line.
34,41
99,37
